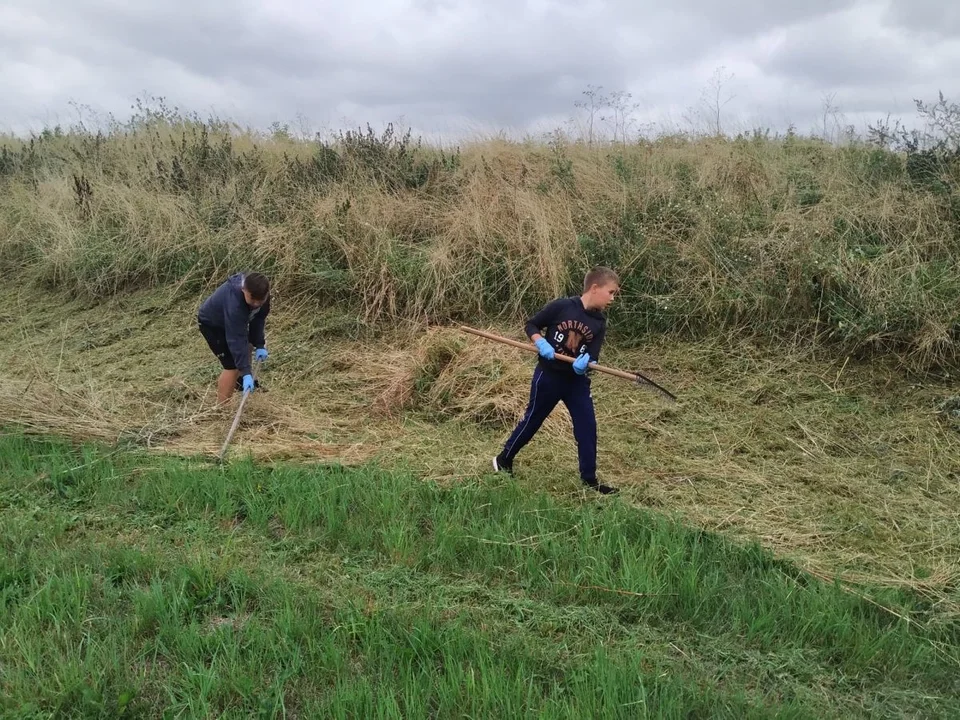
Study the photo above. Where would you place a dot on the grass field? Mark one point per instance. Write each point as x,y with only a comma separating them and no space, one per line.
149,585
787,542
846,467
275,581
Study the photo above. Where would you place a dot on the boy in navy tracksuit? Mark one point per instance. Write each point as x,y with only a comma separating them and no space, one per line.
232,321
575,327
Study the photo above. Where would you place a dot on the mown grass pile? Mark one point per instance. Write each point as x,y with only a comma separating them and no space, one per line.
774,237
155,586
443,376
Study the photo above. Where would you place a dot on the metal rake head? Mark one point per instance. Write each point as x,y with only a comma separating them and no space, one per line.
643,380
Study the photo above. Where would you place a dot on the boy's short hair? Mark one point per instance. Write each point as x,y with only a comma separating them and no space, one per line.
600,275
257,285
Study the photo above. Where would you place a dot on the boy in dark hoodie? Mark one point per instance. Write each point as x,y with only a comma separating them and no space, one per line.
575,327
232,322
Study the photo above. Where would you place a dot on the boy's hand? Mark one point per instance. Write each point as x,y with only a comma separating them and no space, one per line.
545,348
261,354
581,363
248,383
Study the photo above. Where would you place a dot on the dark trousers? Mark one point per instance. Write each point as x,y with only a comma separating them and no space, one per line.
546,390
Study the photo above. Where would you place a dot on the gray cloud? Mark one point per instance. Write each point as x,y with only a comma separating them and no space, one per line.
744,17
835,55
509,64
867,64
930,18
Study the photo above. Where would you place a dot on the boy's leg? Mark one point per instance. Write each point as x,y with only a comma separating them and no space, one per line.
579,402
217,342
544,396
226,385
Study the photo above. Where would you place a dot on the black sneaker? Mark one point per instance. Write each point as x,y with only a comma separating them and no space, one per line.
601,488
500,464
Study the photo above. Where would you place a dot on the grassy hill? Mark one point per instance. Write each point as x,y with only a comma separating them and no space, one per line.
854,246
801,300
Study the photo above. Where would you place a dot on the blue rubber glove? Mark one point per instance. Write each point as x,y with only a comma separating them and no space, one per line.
261,354
545,348
248,383
581,363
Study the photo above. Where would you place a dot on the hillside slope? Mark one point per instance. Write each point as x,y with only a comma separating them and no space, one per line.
849,468
800,299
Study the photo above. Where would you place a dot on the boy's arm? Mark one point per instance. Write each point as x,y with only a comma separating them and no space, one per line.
235,328
543,318
594,346
257,325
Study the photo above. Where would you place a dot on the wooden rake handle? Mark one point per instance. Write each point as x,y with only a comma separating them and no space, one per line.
632,376
236,418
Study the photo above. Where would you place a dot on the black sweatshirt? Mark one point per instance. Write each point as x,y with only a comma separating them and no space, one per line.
571,329
227,310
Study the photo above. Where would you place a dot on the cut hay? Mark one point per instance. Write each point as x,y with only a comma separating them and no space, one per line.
846,468
448,375
42,407
267,431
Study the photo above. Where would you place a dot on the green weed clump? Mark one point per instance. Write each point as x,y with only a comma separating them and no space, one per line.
851,246
153,587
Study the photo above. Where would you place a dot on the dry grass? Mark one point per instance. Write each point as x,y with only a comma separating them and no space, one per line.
448,376
847,468
86,376
767,238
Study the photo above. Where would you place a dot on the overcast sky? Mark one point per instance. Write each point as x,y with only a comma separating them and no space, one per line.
473,66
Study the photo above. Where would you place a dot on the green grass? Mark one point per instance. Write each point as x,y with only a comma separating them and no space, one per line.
152,586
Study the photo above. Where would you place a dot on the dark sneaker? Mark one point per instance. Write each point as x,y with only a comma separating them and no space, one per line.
601,488
500,464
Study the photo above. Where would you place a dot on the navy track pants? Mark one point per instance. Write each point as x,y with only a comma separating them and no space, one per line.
546,390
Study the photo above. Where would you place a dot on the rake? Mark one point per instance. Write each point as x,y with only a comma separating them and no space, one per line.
636,377
236,418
